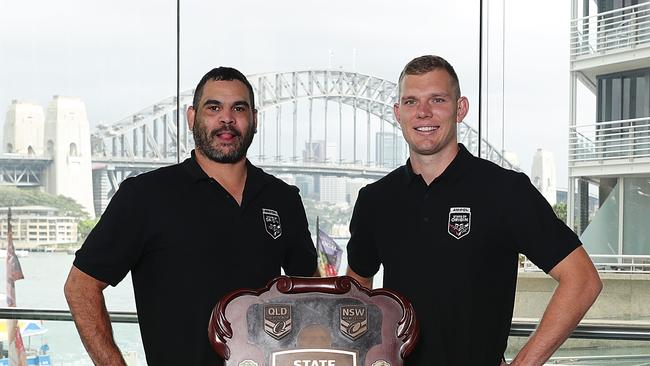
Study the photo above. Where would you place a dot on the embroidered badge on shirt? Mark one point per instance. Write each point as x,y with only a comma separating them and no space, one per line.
272,222
460,219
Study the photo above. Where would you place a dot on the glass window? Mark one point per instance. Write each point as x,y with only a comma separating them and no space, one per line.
636,231
601,236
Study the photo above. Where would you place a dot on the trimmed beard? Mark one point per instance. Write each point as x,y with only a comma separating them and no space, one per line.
205,143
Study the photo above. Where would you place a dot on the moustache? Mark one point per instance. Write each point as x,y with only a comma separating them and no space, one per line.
225,129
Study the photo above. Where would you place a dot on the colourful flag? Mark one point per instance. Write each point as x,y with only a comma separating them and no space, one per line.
16,351
329,255
14,273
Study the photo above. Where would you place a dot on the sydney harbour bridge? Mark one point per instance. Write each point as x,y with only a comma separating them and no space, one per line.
314,122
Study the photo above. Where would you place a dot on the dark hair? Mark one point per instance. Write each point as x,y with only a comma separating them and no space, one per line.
423,64
222,73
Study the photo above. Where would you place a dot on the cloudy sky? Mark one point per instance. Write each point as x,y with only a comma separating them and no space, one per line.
120,56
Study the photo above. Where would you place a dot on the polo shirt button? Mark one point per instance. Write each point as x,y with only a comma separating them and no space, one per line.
426,219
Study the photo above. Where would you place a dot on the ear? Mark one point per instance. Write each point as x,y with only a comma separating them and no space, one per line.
397,113
191,114
254,120
463,108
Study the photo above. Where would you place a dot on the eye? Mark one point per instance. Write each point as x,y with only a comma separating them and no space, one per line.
409,102
213,108
438,100
239,108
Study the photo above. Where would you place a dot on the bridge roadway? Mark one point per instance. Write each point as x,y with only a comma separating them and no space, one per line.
17,170
139,165
23,170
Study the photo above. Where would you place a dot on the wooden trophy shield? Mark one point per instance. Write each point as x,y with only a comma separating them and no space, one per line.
305,321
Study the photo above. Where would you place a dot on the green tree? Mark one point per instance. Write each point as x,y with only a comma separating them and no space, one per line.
84,227
560,211
328,214
12,196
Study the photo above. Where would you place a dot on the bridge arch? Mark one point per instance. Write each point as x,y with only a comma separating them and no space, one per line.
150,134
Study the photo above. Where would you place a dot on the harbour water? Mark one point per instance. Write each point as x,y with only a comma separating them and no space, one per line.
42,288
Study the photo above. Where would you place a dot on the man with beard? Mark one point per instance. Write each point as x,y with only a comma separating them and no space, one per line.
189,234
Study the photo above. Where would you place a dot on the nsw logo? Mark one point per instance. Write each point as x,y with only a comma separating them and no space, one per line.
277,320
460,221
272,222
354,321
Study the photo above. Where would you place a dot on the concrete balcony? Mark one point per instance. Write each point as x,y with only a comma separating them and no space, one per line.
611,148
611,41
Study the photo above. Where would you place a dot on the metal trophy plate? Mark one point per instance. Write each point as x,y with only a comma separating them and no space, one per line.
305,321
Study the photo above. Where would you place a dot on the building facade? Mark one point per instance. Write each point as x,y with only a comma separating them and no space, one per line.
609,153
35,226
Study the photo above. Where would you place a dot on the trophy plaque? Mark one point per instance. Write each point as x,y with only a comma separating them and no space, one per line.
310,321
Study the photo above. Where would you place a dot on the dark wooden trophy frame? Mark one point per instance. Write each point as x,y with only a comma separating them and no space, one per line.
309,321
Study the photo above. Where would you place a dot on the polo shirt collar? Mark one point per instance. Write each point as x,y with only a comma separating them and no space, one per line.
454,170
194,169
256,179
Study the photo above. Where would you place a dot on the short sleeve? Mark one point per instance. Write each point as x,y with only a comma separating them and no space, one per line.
536,231
115,244
363,257
300,259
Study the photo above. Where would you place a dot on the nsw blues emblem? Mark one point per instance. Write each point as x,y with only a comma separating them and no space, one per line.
460,221
353,321
272,222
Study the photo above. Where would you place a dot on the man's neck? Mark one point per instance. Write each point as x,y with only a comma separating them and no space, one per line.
431,166
232,177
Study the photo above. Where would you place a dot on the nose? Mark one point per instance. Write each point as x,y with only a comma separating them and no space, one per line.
423,110
227,117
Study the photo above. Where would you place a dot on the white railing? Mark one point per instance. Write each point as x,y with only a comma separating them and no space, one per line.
608,263
608,31
623,139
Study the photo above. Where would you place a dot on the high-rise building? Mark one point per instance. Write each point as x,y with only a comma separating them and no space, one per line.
314,152
333,189
306,185
353,186
388,149
610,154
543,174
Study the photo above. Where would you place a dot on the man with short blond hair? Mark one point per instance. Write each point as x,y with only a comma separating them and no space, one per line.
448,228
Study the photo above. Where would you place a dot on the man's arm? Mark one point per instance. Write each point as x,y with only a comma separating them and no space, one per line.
86,301
364,281
578,287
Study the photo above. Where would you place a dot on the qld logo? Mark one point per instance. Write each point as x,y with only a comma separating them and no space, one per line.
460,220
277,320
272,222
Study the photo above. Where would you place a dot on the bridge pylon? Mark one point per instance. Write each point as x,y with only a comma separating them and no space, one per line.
67,141
23,129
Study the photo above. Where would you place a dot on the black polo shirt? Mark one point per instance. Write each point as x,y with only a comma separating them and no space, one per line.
452,249
187,243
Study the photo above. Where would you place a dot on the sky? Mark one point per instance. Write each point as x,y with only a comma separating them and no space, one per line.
120,56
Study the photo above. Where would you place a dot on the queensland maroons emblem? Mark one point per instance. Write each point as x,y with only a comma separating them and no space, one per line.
354,321
277,320
272,222
460,220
